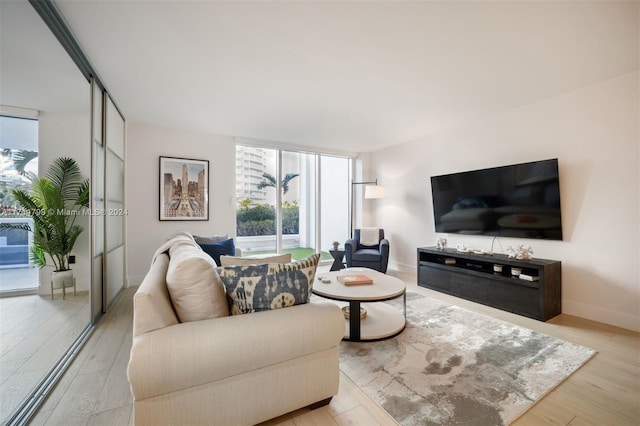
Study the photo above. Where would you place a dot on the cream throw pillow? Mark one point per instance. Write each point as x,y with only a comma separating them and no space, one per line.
235,260
194,285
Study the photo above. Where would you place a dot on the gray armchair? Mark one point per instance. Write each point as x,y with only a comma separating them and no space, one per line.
367,256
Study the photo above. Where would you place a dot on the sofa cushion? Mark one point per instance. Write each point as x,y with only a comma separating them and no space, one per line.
210,239
185,356
367,255
215,250
178,238
263,287
254,260
194,285
151,302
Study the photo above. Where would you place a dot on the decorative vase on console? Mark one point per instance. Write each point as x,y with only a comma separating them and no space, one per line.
441,243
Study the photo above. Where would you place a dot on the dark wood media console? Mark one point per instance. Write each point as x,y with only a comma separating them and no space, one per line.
471,276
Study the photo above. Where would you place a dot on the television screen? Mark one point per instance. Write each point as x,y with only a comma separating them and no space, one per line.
520,200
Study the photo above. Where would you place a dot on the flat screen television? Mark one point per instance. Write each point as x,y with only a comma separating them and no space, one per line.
519,200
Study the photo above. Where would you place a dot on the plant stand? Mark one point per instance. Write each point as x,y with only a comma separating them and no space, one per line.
64,284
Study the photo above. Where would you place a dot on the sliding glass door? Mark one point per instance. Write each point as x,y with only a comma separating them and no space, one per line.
40,332
114,268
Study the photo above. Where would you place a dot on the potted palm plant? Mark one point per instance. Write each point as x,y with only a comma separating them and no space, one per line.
54,202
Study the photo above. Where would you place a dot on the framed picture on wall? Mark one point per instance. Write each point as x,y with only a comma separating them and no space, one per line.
184,189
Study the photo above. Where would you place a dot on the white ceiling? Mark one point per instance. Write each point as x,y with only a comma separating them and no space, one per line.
35,71
349,76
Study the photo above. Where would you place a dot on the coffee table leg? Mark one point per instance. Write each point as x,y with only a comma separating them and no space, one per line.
354,320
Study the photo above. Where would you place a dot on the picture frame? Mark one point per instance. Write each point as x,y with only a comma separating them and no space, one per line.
180,200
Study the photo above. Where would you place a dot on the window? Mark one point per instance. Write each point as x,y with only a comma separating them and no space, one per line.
18,169
292,202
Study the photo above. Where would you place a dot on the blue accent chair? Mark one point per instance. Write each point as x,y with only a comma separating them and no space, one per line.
374,257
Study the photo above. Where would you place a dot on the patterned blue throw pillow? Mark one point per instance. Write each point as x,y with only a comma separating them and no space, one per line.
256,288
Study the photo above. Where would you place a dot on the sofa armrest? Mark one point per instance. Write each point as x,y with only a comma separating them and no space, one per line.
350,246
384,253
194,353
384,247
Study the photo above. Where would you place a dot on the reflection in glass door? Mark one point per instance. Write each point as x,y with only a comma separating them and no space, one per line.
18,169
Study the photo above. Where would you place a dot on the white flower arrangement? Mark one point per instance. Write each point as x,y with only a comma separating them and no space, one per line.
520,252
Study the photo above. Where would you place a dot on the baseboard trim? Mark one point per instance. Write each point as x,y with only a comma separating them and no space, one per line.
598,314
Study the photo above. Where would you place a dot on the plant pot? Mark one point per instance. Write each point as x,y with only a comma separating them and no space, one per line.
60,279
63,279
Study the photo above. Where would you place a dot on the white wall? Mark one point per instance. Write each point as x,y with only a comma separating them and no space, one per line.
594,132
145,232
68,135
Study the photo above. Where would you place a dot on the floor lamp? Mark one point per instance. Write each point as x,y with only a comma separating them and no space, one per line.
371,191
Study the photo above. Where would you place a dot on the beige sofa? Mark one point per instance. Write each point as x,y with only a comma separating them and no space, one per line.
230,370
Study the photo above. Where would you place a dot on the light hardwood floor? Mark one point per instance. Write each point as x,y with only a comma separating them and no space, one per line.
606,391
34,332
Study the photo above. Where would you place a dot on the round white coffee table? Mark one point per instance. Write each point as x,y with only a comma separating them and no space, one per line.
382,321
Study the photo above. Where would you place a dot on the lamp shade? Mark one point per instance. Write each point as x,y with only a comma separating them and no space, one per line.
374,192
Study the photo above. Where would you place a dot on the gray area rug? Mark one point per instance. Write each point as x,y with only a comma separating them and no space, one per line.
451,366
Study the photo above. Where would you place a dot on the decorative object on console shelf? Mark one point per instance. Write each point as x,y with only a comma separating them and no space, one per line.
528,277
184,189
520,252
441,243
463,249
